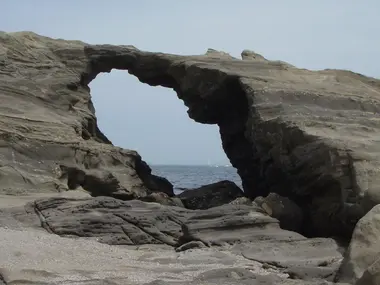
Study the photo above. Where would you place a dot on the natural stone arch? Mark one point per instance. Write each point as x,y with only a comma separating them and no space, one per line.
286,130
262,149
207,104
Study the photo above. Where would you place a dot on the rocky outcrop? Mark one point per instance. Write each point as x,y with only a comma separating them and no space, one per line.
211,195
48,126
112,221
242,224
364,250
113,184
306,135
210,244
163,199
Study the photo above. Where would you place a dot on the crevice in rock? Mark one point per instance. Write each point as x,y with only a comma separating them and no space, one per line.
44,224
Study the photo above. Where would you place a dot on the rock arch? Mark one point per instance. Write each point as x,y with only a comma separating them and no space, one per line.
308,135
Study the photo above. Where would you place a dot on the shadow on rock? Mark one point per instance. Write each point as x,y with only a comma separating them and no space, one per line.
211,195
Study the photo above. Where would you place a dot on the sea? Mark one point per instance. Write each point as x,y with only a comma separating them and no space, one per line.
192,176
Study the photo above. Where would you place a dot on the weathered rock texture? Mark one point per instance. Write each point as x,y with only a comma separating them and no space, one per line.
76,239
364,249
311,136
211,195
49,138
283,209
117,222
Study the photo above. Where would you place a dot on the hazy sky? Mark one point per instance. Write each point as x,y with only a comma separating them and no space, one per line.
310,34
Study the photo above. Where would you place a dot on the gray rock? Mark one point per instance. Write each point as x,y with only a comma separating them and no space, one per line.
211,195
32,256
242,201
48,123
310,136
307,135
283,209
306,259
112,221
364,248
239,276
163,199
242,224
252,248
251,55
117,222
371,276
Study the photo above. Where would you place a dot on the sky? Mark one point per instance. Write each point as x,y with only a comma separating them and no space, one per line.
310,34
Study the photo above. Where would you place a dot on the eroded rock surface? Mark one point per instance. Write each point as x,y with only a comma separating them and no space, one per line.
307,135
230,224
113,221
283,209
103,239
371,275
364,249
135,222
306,259
48,124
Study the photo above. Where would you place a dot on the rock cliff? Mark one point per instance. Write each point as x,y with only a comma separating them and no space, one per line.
308,137
311,136
49,136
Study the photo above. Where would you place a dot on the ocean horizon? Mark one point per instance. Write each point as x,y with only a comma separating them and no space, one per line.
194,176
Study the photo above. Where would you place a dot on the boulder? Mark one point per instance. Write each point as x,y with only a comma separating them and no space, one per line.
283,209
364,249
211,195
251,55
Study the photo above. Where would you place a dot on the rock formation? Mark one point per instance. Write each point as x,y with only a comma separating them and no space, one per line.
211,195
364,250
308,137
283,209
210,244
49,135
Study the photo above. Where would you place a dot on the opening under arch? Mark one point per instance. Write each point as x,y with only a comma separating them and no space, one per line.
154,122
